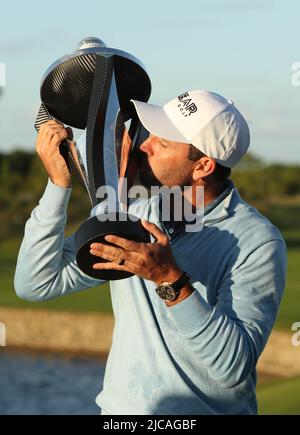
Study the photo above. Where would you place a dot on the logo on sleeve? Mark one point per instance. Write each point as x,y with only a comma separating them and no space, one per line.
186,106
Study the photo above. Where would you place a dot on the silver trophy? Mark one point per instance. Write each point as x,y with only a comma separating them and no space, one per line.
91,89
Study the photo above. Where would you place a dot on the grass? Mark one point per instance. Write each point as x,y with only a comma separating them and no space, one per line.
91,300
290,309
279,397
275,396
98,299
287,218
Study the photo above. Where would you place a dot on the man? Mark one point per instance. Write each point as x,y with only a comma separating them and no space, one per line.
189,346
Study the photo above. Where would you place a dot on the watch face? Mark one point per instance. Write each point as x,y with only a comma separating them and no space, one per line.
166,292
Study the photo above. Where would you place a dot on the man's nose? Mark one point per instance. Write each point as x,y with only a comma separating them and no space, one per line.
146,146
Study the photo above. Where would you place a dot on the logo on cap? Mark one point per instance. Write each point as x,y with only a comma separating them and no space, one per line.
186,106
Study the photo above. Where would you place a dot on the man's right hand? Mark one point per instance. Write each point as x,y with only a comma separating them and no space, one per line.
51,135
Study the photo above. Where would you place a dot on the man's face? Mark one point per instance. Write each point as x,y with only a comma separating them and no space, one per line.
164,162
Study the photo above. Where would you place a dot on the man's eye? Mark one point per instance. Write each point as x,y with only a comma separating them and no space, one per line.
164,144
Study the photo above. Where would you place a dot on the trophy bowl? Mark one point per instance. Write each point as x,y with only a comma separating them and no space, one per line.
92,89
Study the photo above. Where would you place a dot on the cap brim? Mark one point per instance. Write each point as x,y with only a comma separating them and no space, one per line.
156,121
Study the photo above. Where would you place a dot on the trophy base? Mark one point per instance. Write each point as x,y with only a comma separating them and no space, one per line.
95,229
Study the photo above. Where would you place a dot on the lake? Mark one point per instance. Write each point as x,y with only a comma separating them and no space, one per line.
32,383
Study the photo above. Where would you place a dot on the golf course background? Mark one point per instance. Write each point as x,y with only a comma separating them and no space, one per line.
273,189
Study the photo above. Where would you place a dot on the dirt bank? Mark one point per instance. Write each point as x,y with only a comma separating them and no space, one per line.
57,331
91,334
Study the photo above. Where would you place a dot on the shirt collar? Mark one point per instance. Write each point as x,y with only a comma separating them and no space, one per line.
219,209
215,211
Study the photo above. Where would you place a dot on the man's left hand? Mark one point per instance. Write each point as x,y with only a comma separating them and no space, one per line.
151,261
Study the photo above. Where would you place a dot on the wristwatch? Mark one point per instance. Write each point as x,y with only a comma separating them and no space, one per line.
170,291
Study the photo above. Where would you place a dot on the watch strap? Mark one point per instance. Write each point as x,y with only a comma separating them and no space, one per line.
181,281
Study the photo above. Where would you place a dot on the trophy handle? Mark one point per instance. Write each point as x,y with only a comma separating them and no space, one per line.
105,122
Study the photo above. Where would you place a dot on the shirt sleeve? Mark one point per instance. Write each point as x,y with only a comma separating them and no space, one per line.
46,266
229,337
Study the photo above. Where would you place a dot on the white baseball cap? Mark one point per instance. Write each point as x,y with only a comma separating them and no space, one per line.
204,119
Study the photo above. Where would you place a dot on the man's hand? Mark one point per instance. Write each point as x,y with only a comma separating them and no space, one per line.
51,135
151,261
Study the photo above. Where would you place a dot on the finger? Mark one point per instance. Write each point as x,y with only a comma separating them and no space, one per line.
55,127
54,131
156,232
55,122
128,245
108,256
127,267
58,137
111,253
70,133
115,255
49,132
49,139
100,249
51,122
110,266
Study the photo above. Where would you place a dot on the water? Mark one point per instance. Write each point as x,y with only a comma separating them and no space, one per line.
43,384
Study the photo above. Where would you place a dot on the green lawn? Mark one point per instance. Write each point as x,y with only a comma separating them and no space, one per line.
287,218
290,306
98,299
279,397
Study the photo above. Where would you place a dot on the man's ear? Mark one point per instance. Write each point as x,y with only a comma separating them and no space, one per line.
204,167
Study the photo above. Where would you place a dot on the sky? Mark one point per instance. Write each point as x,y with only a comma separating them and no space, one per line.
243,49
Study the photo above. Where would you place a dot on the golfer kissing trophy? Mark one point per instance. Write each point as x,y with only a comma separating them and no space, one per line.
91,89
